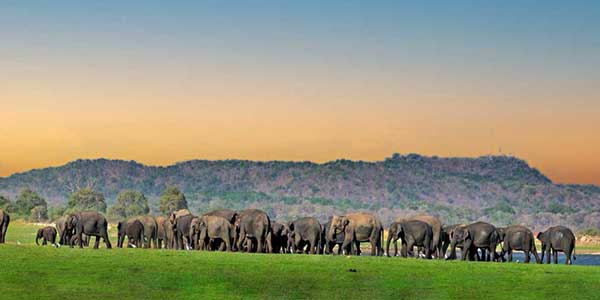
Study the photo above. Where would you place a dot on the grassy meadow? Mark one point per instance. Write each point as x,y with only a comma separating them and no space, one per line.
31,272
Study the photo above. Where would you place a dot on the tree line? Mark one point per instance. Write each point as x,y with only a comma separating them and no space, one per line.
30,205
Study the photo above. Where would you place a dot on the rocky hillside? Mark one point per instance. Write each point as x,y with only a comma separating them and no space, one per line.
500,189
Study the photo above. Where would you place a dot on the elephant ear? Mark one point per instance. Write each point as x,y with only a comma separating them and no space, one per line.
345,222
540,235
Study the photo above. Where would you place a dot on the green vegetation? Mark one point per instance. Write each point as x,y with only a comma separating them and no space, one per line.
87,199
30,272
129,203
171,200
30,203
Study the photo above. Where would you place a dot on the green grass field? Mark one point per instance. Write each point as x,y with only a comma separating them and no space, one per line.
31,272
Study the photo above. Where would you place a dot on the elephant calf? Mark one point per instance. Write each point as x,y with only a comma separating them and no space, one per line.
47,234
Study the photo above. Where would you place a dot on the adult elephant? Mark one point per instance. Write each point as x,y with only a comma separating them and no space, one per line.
412,233
212,230
150,231
519,238
60,224
134,230
436,226
182,237
90,223
228,214
173,227
306,233
47,234
558,239
253,226
279,237
473,236
162,236
358,227
4,221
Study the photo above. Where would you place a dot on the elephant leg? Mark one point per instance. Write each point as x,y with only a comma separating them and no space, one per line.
347,244
555,256
568,253
106,240
80,239
510,255
535,254
373,246
97,243
548,255
527,257
395,246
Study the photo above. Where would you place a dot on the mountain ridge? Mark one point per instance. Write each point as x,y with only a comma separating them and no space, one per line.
503,189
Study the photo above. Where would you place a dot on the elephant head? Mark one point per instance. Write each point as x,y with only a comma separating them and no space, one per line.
542,237
501,233
338,225
69,226
39,235
458,236
195,228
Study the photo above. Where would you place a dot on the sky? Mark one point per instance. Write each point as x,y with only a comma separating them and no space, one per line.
162,82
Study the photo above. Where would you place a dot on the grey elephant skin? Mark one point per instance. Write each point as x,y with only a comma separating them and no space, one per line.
479,235
209,232
412,233
279,237
90,223
306,235
358,227
558,239
253,227
4,221
133,229
46,234
520,238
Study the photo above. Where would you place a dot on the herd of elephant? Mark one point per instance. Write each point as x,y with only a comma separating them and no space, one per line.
252,230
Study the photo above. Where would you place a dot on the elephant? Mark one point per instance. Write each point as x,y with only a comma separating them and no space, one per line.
90,223
305,232
436,226
205,229
519,238
4,221
445,238
134,230
253,226
228,214
558,239
327,245
473,236
60,227
412,233
150,231
182,236
47,234
279,237
358,227
162,237
173,226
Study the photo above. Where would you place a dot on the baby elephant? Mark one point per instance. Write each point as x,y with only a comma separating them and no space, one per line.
48,234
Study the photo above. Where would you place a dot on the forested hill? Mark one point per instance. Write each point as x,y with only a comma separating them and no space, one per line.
500,189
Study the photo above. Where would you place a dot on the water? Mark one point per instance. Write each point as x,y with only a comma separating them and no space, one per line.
582,259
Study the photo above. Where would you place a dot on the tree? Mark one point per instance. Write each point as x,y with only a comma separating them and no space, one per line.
4,202
87,199
171,200
129,203
27,200
38,213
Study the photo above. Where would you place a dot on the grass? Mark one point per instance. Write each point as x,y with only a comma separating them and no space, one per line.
31,272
